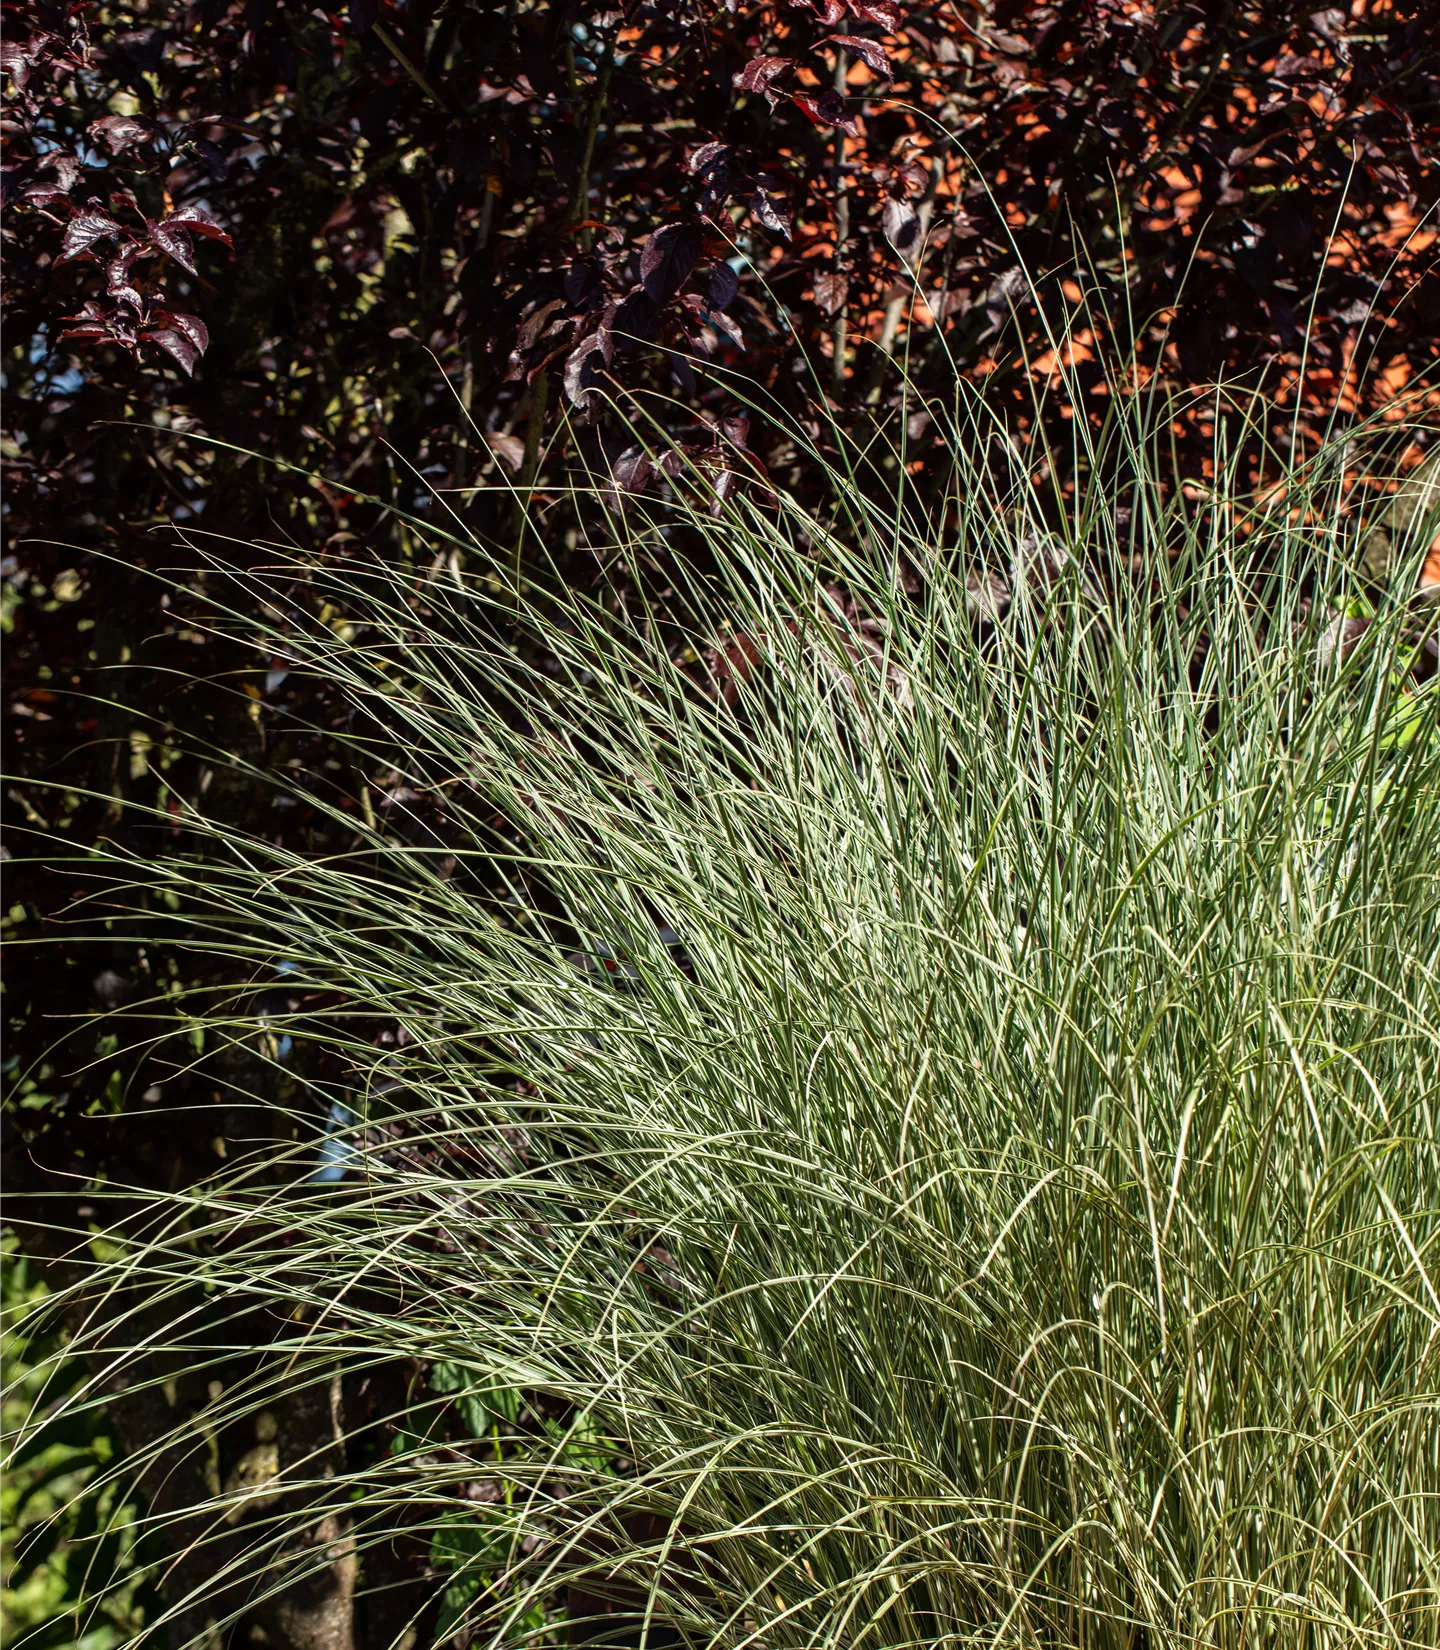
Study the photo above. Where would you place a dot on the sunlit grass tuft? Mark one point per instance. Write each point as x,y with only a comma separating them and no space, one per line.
925,1084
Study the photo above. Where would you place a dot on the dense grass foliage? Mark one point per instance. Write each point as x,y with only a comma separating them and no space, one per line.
908,1111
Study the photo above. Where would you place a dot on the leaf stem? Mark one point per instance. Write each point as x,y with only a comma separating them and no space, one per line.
393,48
581,197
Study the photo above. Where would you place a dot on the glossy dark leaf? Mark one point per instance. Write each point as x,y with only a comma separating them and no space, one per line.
728,326
172,240
720,183
510,449
724,284
583,281
830,291
884,12
871,51
771,212
827,109
536,322
726,485
902,227
121,132
172,235
633,317
585,363
707,157
14,62
91,314
830,12
668,257
176,344
759,75
195,220
85,231
118,283
191,325
632,470
1290,67
1012,45
66,168
213,157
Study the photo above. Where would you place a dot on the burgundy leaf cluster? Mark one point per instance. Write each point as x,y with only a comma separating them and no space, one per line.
572,201
127,303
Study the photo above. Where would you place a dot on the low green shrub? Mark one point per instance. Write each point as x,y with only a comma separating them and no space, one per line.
68,1571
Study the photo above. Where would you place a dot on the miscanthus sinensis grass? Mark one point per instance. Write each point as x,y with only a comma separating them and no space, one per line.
915,1119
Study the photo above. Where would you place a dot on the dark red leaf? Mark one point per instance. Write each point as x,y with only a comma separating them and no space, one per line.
1012,45
729,326
119,132
633,317
1246,151
884,12
726,484
168,238
707,157
736,428
911,177
1290,67
175,344
91,322
831,290
770,212
530,374
191,325
632,470
871,50
759,73
85,230
509,448
15,62
667,259
693,319
582,281
117,279
536,322
902,227
214,157
724,284
585,363
195,220
717,164
830,12
172,234
66,168
828,109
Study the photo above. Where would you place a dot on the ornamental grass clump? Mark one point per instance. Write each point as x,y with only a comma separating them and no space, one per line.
911,1117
